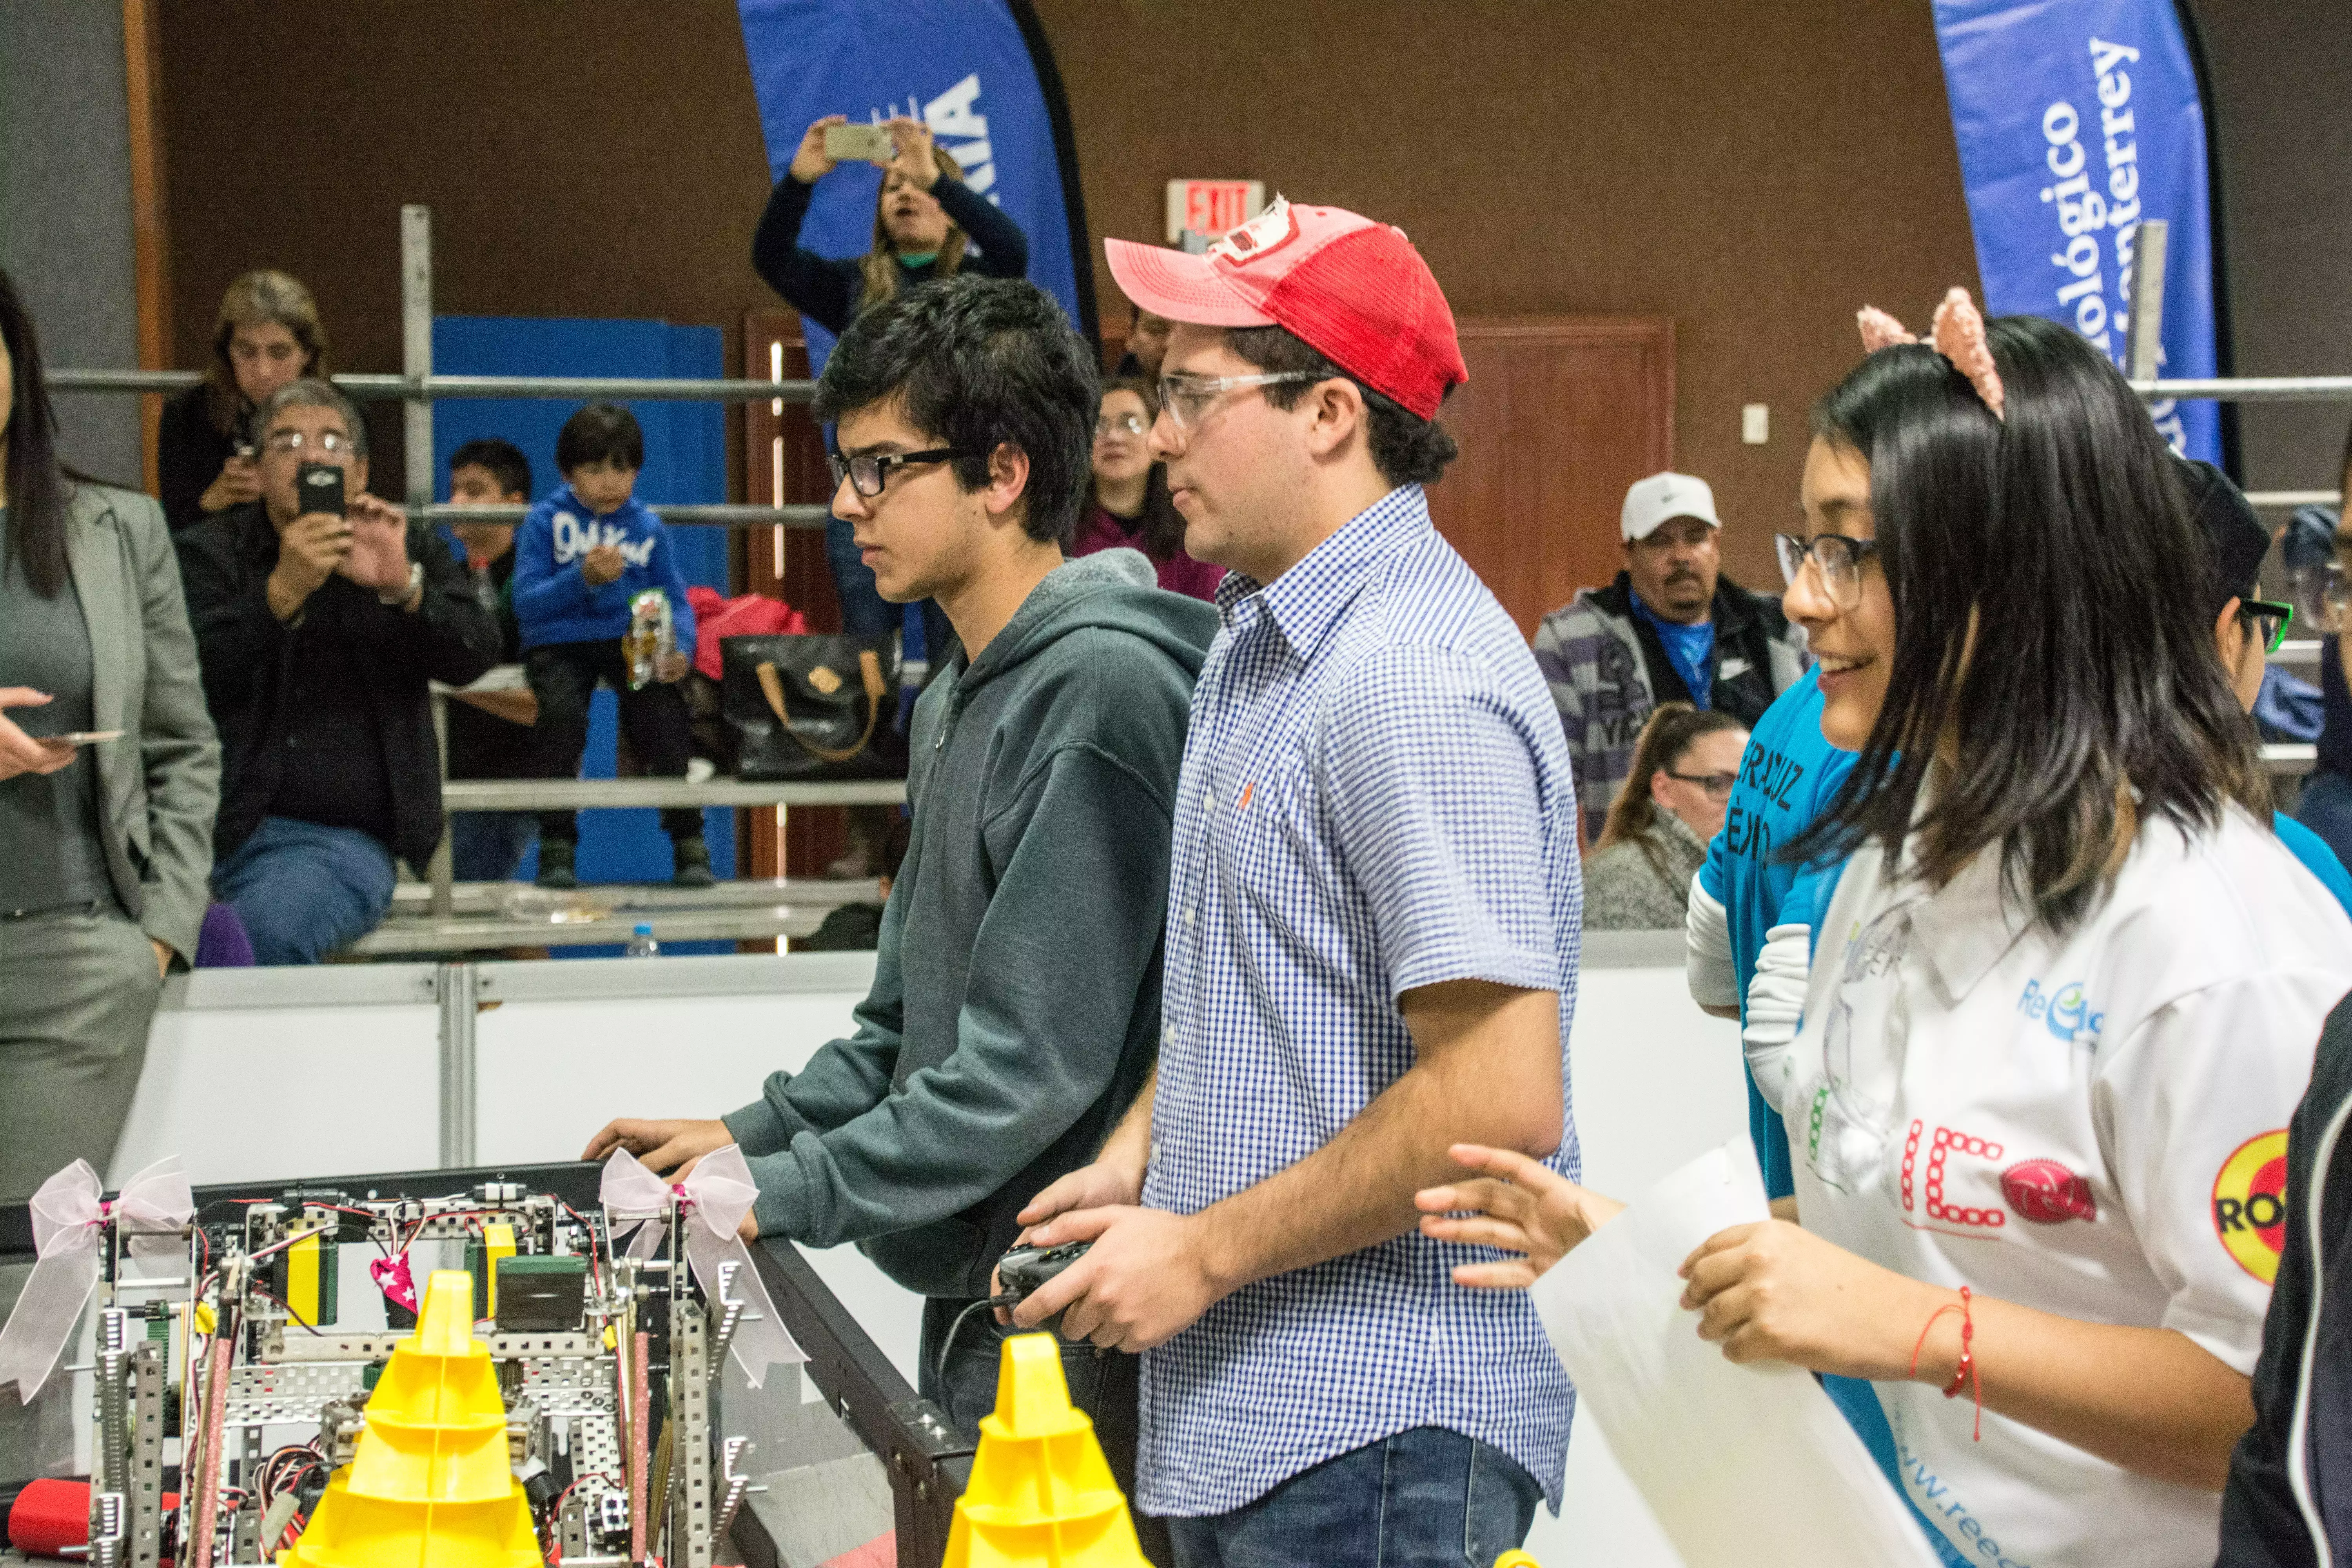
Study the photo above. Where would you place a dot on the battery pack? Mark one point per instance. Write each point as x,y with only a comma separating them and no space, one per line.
541,1295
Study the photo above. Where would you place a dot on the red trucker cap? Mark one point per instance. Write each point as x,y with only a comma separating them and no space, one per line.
1356,291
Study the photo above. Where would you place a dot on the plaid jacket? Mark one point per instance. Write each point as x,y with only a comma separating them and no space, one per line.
1608,672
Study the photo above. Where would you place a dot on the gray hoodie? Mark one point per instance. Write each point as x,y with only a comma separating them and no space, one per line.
1016,1008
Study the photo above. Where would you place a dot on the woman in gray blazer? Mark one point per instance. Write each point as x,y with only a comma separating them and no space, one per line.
109,779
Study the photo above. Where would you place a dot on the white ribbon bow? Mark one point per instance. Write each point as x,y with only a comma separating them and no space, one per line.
719,1191
69,1213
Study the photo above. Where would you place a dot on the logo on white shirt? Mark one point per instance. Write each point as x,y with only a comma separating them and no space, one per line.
2067,1014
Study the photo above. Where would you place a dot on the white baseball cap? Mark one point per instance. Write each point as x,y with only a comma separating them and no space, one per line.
1661,498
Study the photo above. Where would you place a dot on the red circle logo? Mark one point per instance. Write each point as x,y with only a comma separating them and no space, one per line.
2044,1191
2250,1203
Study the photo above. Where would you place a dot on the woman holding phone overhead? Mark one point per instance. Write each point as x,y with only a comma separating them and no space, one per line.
928,225
2067,992
109,778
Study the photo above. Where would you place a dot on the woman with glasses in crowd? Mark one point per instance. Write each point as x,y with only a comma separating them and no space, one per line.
108,777
2066,995
1638,876
2319,587
268,335
1127,497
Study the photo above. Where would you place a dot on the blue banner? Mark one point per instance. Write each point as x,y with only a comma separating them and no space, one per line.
2077,120
967,69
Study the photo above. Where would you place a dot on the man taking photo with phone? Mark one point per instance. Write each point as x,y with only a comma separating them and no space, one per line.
320,623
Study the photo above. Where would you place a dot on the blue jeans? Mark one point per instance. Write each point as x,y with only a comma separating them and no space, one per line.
302,890
1423,1497
487,845
864,610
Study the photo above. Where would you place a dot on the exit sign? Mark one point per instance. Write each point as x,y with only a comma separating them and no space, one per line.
1212,206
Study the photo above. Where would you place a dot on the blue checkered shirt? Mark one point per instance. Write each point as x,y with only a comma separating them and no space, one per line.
1375,797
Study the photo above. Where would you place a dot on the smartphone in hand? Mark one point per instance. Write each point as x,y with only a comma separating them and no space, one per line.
318,487
859,143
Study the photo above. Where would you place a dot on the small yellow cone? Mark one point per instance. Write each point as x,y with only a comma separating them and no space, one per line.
429,1485
1041,1495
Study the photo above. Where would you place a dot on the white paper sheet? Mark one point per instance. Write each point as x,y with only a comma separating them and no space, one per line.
1745,1467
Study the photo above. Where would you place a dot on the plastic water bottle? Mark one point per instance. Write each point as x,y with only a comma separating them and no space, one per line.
642,945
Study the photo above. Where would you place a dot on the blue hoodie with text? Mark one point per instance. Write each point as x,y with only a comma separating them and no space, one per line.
554,603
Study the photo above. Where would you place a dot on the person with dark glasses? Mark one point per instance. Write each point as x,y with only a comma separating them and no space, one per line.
2247,631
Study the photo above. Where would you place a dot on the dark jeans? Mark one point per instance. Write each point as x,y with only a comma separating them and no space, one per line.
1423,1497
2327,809
864,610
487,845
564,675
302,890
1103,1384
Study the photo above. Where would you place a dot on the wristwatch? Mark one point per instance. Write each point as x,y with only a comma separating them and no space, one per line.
416,584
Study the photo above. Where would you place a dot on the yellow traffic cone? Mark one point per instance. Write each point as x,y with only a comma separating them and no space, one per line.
1041,1494
429,1486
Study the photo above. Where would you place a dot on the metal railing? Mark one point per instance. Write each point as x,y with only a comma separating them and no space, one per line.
418,388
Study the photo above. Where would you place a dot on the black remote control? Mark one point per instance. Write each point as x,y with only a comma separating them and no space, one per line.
1024,1268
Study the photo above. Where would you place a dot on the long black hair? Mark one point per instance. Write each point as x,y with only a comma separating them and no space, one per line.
36,489
2044,574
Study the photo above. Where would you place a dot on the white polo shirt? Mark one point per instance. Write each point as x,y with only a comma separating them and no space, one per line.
2092,1126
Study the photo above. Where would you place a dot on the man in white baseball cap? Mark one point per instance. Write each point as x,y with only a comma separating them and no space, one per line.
1670,628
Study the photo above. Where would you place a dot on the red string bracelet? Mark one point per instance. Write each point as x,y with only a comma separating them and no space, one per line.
1964,1375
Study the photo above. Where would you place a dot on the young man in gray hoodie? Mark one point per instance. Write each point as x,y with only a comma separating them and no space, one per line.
1016,1008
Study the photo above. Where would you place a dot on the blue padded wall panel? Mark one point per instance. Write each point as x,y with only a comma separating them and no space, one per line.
685,461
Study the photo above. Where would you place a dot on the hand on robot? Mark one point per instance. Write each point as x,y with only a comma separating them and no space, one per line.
668,1148
1519,1205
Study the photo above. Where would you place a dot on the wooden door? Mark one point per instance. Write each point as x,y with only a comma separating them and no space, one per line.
1560,414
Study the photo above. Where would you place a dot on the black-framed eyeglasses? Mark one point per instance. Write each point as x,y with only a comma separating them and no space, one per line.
2267,619
868,472
1836,558
1717,786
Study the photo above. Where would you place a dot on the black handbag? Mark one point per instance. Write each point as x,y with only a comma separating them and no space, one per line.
817,706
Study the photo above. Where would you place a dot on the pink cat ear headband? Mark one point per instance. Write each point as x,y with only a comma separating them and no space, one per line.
1959,335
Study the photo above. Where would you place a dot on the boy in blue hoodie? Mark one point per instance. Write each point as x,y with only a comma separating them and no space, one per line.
583,555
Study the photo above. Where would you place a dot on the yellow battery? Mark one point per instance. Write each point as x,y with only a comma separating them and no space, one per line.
306,1263
497,1241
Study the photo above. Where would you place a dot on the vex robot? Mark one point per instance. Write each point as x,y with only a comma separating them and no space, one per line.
553,1405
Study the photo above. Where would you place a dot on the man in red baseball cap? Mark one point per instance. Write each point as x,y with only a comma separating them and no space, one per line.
1370,949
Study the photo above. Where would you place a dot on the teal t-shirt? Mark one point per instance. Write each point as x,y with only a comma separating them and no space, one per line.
2317,858
1787,776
